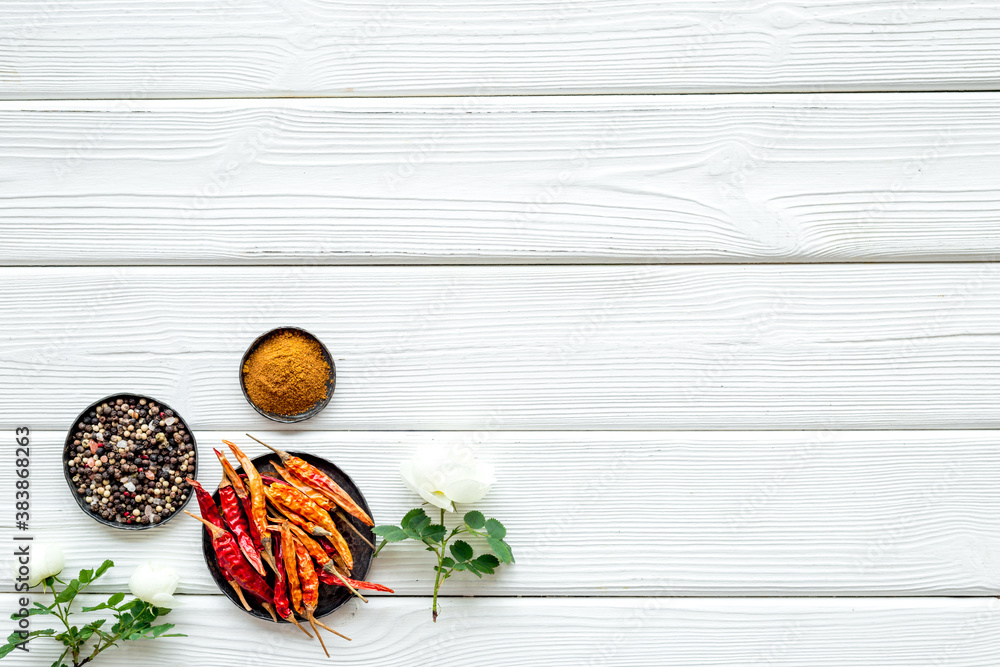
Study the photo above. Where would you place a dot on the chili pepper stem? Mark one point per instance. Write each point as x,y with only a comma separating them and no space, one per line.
301,627
239,594
270,610
214,530
347,584
328,628
312,622
350,524
282,455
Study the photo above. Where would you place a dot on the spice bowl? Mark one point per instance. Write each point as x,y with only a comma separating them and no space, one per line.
166,443
266,339
330,597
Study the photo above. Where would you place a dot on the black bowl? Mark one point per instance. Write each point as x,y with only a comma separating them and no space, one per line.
331,381
331,598
193,474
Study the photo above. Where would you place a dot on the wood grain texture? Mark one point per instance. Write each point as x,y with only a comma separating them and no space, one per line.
192,48
503,348
638,514
744,178
914,632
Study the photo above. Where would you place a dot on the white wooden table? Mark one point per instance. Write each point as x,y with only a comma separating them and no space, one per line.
712,283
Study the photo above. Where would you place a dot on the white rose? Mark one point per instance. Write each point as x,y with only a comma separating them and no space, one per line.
155,583
444,475
45,560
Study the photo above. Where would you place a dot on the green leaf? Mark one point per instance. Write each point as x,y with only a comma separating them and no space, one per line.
501,549
434,533
390,533
418,513
115,599
131,604
160,629
461,550
417,526
475,520
486,563
68,593
460,566
46,632
6,648
473,569
96,624
496,529
447,562
104,567
86,576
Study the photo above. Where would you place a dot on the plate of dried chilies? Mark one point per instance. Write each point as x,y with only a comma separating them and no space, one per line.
287,536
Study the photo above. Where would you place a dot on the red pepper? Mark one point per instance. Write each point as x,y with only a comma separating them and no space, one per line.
234,565
206,504
257,505
237,522
320,481
331,580
281,602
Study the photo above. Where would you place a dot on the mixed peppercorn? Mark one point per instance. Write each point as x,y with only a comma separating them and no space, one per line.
286,524
129,459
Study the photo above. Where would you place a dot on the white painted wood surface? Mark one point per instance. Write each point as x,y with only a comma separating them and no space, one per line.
744,178
570,632
823,425
466,348
639,513
195,48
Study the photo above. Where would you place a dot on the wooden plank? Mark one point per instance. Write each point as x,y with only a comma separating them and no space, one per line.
628,632
767,178
638,514
188,48
465,348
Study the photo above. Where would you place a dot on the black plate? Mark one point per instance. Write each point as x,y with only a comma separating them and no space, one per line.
330,597
331,381
69,479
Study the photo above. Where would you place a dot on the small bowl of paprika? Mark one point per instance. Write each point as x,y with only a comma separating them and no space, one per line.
287,375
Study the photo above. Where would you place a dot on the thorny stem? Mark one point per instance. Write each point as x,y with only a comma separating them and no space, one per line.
437,579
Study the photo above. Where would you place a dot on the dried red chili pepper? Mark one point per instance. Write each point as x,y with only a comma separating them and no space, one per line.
281,591
331,580
320,500
291,573
310,592
230,473
241,492
317,479
310,492
211,513
258,501
297,502
329,548
208,508
232,510
322,558
296,519
234,565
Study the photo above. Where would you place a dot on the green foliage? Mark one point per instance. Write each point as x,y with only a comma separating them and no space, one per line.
416,525
475,520
133,621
